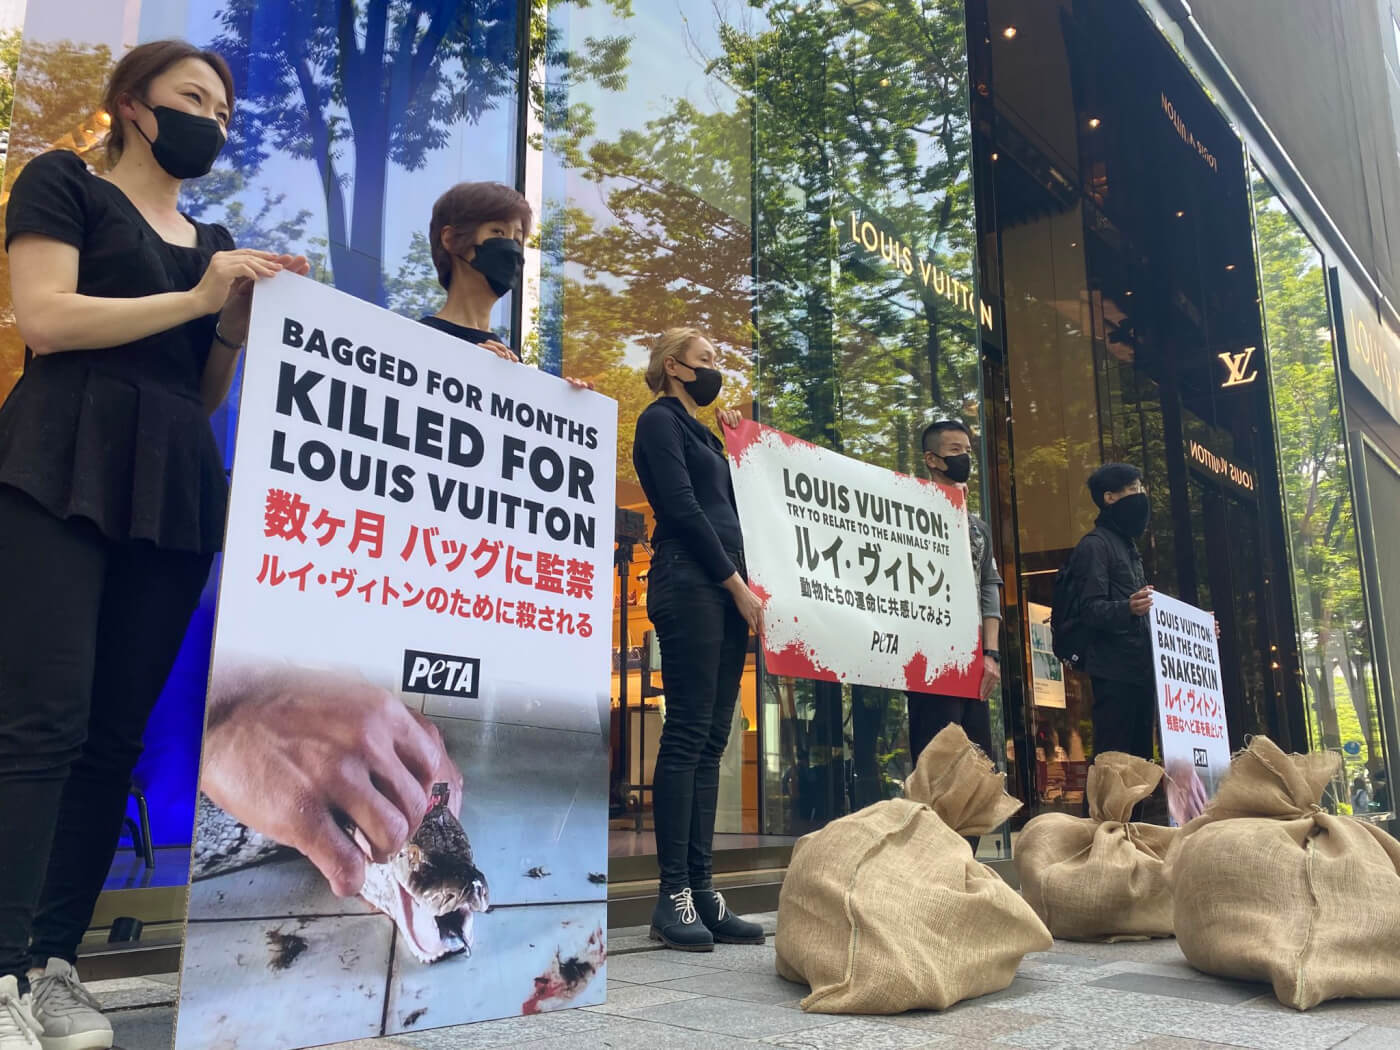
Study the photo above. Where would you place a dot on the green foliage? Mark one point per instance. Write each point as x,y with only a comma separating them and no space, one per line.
1331,605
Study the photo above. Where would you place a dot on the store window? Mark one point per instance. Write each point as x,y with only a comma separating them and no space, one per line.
794,179
342,139
1338,672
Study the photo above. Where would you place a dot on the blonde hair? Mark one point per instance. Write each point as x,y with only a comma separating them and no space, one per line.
671,343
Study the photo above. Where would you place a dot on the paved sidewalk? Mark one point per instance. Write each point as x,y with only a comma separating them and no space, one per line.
1090,996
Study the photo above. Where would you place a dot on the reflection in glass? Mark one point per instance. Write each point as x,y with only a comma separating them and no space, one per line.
1339,675
793,178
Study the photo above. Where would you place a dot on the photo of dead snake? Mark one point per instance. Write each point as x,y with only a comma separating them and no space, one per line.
431,889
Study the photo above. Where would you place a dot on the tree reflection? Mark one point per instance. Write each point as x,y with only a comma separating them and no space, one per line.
1317,488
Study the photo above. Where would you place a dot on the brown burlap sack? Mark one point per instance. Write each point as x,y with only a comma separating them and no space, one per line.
1099,878
885,910
1267,887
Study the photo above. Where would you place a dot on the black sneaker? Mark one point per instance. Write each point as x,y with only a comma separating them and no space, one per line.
676,923
726,927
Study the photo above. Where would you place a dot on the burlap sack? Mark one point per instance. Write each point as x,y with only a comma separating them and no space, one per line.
1099,878
886,910
1267,887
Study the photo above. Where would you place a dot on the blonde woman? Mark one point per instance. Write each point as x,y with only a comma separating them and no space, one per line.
700,604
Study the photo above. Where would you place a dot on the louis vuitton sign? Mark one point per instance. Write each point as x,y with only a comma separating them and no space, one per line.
1371,347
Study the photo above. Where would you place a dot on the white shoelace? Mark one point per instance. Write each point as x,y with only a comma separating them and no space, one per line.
723,908
685,903
15,1020
63,995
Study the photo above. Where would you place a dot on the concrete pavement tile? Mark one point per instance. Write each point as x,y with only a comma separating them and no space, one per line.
1372,1037
751,958
1160,950
1092,1007
740,985
1178,968
1171,1042
1213,991
1063,958
732,1017
1018,988
859,1033
126,993
965,1021
508,1032
1075,973
631,996
1382,1012
148,1029
1069,1035
628,1034
654,967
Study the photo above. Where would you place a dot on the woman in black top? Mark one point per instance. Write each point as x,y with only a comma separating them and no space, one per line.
112,498
477,237
700,604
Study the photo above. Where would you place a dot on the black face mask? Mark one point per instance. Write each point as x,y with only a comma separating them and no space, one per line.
186,145
501,260
958,468
1130,515
704,388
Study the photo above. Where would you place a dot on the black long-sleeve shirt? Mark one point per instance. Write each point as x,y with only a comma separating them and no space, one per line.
685,476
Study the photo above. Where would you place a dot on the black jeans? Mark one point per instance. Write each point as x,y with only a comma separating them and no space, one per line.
704,641
1124,716
89,630
930,714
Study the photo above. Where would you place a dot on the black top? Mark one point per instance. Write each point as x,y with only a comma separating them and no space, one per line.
685,476
1109,569
120,435
461,331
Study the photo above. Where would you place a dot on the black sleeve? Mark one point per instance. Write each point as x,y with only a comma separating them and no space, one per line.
1097,607
50,198
223,240
660,441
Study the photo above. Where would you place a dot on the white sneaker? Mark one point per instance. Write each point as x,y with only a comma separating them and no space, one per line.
70,1018
18,1029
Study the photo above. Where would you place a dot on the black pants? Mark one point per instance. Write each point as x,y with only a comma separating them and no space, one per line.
930,714
1124,716
703,643
89,630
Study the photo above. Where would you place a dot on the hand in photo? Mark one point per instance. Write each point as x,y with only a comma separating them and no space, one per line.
294,754
1186,795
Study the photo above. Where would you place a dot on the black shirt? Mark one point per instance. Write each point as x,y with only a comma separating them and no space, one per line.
461,331
685,476
118,435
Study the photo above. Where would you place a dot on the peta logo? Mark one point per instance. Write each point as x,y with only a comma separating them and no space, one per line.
441,674
1199,757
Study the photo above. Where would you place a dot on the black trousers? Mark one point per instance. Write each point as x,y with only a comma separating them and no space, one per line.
703,641
1124,715
89,630
930,714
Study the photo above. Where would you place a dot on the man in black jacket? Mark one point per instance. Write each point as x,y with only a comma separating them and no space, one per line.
1113,603
947,446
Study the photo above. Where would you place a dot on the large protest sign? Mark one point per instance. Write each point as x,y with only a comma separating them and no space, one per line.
867,574
1190,705
420,535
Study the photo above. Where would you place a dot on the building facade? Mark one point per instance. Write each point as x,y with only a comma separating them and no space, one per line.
1092,230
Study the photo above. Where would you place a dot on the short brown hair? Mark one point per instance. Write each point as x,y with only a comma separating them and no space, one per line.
466,207
133,74
671,343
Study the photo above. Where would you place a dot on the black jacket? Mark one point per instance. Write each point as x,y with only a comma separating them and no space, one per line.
685,475
1108,569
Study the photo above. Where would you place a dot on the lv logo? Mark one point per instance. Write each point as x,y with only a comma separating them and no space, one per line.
1238,367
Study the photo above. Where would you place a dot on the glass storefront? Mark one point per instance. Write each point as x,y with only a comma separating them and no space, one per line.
881,214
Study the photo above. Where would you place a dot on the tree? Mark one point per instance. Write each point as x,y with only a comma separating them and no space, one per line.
9,66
